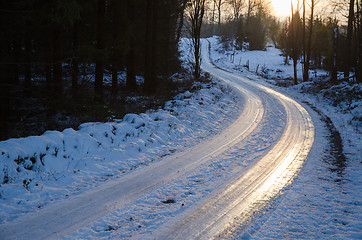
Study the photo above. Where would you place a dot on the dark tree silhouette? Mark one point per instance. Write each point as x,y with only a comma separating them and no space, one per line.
196,10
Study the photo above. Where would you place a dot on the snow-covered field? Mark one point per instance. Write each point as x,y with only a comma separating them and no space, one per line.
325,200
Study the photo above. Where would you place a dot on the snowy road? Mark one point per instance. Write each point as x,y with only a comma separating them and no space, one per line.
234,206
229,205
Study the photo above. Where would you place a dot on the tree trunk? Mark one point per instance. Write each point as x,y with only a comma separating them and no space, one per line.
116,23
309,44
48,75
98,87
359,43
295,62
4,102
148,46
47,50
131,75
295,42
249,12
28,59
57,85
130,56
150,51
154,42
5,82
213,19
335,46
196,16
75,60
348,53
181,20
219,22
305,70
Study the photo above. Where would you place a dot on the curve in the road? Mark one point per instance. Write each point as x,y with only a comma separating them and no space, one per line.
71,214
233,206
265,180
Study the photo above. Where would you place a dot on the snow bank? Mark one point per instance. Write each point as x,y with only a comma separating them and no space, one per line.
39,169
345,97
54,151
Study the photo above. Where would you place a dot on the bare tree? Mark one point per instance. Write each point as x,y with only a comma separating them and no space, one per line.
218,4
307,47
195,11
237,6
251,6
213,18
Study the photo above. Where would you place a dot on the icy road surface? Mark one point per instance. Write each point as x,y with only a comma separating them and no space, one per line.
270,139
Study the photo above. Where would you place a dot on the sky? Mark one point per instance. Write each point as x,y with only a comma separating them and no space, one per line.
282,8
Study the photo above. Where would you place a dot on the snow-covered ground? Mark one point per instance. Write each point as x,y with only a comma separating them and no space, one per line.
39,170
325,200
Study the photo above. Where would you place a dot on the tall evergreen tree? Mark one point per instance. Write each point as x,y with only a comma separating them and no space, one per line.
150,44
64,41
100,61
131,50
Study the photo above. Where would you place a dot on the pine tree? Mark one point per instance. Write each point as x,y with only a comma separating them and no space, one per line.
100,61
131,52
151,45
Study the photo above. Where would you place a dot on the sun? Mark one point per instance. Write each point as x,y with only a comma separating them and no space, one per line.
282,8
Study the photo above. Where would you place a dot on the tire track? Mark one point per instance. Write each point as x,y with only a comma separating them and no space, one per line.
235,206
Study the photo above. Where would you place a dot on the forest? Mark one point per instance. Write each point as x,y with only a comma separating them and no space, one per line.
68,57
64,62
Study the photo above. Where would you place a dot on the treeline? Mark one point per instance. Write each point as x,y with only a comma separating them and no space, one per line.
246,22
49,46
315,41
323,42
